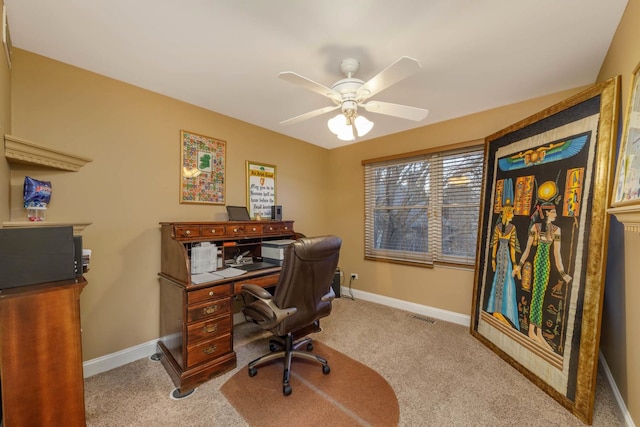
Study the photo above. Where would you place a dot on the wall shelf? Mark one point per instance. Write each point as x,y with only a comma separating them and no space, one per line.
18,150
629,216
78,227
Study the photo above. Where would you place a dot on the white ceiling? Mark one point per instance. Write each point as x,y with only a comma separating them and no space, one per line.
224,55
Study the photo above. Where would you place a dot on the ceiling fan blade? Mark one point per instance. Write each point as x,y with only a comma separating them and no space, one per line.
396,110
309,115
306,83
391,75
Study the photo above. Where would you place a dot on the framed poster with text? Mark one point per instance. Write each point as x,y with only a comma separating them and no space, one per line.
261,189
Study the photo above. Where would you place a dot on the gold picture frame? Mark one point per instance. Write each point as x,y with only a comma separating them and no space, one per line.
261,189
202,169
627,190
541,255
6,35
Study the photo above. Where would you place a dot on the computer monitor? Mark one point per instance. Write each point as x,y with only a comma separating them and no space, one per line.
238,213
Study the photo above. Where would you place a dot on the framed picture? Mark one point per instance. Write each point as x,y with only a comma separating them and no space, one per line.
261,189
202,169
6,35
627,190
543,233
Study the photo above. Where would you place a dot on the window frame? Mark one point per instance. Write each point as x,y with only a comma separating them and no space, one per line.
434,207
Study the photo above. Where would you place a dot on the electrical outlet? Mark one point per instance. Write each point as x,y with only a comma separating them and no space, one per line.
354,276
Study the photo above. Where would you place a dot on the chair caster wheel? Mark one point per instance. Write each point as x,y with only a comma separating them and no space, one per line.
253,372
286,390
273,347
310,347
326,369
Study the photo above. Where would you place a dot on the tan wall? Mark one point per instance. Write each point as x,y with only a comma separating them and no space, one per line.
619,341
5,127
441,287
132,135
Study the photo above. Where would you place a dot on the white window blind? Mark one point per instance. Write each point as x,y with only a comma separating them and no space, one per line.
424,208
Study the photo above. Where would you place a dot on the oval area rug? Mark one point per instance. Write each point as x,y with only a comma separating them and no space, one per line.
352,394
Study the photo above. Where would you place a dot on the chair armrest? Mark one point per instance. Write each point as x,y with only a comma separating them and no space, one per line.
256,291
329,296
265,297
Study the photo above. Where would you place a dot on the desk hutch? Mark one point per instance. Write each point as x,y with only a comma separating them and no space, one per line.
196,320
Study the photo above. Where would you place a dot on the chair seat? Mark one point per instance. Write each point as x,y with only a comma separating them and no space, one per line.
258,313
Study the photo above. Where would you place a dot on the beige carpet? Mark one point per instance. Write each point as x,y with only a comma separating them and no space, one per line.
441,376
351,394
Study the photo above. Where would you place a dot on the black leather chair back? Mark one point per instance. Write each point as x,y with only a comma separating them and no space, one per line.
307,271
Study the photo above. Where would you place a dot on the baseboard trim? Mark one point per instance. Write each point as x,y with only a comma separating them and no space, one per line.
119,358
438,313
616,393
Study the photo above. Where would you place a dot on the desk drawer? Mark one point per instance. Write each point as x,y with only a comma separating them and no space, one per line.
182,232
264,281
208,350
286,227
212,292
235,230
213,230
253,229
207,329
208,309
271,228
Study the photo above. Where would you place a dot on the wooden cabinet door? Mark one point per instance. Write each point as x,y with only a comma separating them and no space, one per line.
41,356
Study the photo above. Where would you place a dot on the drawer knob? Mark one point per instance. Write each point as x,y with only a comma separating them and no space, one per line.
187,232
254,229
210,293
270,228
209,329
210,350
210,309
235,230
286,228
213,231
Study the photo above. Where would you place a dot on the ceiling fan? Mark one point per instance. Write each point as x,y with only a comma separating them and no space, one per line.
350,93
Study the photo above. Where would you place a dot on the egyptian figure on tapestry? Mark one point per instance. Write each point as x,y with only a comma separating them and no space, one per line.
502,301
545,236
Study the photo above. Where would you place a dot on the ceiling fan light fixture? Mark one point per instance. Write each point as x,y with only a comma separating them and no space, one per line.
337,123
363,125
346,134
343,127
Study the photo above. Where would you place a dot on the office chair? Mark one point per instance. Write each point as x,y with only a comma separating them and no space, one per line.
302,296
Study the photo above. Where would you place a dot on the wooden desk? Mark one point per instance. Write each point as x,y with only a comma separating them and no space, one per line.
196,320
41,355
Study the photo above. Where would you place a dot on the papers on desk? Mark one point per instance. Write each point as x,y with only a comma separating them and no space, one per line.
218,275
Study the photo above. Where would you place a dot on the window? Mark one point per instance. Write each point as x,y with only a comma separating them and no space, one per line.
423,208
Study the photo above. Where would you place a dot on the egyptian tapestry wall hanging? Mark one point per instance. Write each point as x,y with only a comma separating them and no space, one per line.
542,243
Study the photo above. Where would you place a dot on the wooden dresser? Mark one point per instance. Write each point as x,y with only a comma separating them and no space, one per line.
41,355
196,320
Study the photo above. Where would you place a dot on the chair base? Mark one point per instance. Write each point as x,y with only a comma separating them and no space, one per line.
289,350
